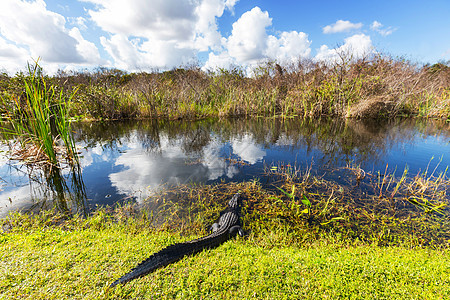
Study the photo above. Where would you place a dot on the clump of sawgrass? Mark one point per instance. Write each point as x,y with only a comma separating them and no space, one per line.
39,120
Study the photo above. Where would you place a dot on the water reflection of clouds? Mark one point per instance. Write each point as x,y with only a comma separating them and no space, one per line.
131,169
143,171
137,173
14,188
284,140
215,163
246,148
94,154
15,199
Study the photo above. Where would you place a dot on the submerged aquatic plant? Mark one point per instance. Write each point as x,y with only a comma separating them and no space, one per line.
40,120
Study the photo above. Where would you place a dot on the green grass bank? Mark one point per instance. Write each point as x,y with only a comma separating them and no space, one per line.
305,239
51,263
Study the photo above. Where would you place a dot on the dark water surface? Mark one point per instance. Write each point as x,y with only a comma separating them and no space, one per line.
127,161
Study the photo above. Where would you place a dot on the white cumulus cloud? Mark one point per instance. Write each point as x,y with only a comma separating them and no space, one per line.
354,47
341,26
290,45
378,27
250,43
222,60
229,4
34,31
135,55
207,34
161,34
160,19
12,57
86,49
248,40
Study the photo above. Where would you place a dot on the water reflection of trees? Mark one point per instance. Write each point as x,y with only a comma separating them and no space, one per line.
68,192
338,140
193,135
61,189
335,141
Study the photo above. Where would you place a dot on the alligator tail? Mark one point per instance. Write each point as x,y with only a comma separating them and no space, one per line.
167,256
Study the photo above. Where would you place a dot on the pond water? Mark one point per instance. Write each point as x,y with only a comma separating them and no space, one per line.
127,161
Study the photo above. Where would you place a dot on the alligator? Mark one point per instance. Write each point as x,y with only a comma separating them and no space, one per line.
227,227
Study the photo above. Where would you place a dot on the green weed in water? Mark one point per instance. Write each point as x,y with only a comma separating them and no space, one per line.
41,119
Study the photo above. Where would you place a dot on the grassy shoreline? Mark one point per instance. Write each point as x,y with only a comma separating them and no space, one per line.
326,247
54,262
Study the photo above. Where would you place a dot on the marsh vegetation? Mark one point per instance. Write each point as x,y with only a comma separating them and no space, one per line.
376,86
37,122
304,225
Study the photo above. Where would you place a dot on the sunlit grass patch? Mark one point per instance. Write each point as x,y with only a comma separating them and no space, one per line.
79,260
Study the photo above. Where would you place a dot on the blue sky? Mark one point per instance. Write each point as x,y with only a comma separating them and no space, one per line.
142,35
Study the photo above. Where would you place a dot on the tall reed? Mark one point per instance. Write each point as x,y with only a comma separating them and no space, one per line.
40,119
